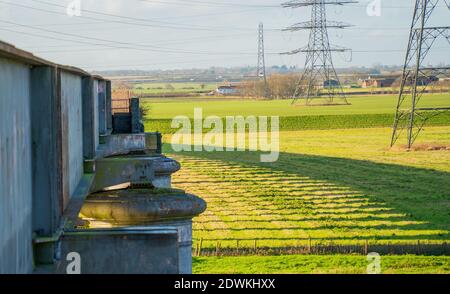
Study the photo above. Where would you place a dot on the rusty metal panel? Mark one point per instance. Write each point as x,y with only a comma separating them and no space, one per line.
121,251
15,168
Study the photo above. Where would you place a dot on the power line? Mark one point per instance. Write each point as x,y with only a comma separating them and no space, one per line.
210,4
169,25
179,41
178,25
131,46
136,46
222,4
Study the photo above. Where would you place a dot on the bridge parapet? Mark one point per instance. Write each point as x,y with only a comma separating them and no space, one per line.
62,148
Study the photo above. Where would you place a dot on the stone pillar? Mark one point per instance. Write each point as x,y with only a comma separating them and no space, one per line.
150,209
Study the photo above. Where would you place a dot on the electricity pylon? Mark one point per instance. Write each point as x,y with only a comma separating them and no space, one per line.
319,78
261,67
410,116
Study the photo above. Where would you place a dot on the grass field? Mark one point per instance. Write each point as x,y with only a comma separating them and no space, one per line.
383,104
330,186
325,264
364,112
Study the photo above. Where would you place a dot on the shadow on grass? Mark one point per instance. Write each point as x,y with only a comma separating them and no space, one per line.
419,195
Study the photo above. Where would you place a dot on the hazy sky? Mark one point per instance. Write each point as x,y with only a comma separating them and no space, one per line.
168,34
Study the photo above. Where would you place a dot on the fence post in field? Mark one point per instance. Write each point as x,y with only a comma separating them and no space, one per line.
366,247
237,247
196,249
217,248
200,247
309,246
255,246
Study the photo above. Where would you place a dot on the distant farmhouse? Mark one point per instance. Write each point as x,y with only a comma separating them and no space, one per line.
390,81
378,82
227,90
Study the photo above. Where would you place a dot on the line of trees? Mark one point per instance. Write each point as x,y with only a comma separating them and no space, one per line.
279,86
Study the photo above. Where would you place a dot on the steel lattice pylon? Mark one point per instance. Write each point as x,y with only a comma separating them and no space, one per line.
409,115
319,78
261,67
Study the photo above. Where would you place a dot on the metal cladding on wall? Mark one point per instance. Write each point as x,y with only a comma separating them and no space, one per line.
61,154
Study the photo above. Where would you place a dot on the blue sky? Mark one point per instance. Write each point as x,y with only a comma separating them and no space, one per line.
169,34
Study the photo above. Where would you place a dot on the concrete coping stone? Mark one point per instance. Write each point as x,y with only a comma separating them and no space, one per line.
133,207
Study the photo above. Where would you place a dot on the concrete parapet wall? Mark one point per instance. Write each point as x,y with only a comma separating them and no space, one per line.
41,148
58,147
15,168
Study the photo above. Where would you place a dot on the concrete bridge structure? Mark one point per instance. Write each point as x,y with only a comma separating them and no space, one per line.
83,190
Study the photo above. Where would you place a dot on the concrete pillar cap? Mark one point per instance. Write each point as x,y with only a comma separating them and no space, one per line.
131,207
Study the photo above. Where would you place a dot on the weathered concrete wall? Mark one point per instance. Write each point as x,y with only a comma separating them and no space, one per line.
45,109
89,147
96,115
51,117
71,103
15,169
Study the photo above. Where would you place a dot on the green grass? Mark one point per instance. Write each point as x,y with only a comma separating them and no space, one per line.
365,112
310,122
383,104
331,264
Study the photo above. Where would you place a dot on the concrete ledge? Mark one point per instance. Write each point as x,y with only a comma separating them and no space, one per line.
135,169
123,144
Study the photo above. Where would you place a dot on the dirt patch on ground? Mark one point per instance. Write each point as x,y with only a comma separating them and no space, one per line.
422,147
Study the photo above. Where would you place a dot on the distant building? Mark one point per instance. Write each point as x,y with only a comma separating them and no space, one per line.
227,90
330,84
378,82
426,80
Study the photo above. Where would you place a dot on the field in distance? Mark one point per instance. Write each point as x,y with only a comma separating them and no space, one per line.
171,88
381,104
364,112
